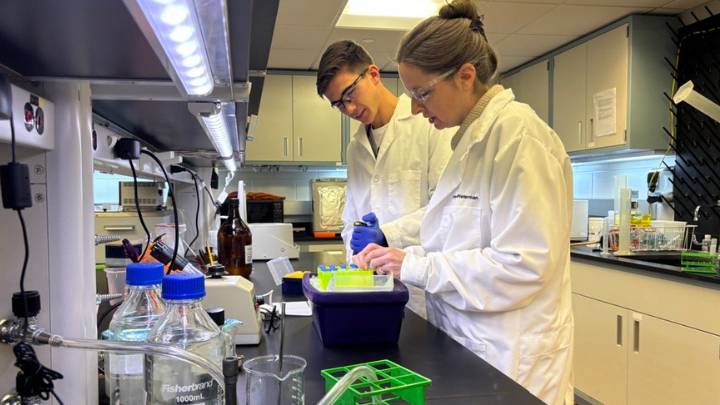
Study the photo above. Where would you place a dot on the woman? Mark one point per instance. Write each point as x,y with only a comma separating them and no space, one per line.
494,255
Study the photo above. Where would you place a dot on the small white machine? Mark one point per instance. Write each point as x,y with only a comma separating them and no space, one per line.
236,295
273,240
579,230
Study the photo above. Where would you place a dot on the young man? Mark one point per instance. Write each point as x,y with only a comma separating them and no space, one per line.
394,159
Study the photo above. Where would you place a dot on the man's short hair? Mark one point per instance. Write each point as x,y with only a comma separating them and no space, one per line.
338,56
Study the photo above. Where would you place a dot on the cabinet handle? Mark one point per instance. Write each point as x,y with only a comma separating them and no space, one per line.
285,146
619,330
119,228
636,342
301,146
591,136
580,142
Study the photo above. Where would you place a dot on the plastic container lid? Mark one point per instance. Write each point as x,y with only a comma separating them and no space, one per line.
217,314
144,274
33,304
183,286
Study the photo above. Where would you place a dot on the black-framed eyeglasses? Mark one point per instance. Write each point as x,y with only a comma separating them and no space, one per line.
348,95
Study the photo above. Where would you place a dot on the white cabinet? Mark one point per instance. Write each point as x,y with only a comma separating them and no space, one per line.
607,91
272,139
601,338
582,75
642,339
316,126
625,357
569,89
531,86
294,124
672,364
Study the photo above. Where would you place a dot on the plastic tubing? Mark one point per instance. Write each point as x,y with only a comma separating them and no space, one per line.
338,389
687,94
134,347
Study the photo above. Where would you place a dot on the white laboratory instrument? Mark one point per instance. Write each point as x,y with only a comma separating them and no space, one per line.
236,295
273,240
579,230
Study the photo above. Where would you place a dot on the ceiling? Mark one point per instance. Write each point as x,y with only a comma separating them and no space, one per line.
518,30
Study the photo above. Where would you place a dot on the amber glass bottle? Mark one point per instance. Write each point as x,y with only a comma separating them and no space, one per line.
235,243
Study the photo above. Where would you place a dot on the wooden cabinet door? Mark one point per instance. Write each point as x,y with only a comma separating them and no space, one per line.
316,126
272,139
607,70
601,340
569,90
669,363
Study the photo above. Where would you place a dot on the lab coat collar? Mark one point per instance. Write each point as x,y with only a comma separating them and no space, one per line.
471,132
401,113
475,113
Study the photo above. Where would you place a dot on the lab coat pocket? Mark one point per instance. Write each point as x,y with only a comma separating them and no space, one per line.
404,191
545,361
479,347
464,223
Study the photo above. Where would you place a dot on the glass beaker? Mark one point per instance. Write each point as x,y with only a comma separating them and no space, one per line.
267,384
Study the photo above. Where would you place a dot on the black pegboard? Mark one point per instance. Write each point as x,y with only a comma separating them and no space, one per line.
696,139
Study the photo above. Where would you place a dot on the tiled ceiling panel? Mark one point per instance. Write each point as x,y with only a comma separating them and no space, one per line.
518,30
576,20
508,17
298,36
309,12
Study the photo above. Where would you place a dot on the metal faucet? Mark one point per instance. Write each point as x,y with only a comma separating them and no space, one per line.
695,215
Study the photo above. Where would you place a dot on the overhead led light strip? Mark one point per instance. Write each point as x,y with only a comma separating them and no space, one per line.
217,130
219,135
176,26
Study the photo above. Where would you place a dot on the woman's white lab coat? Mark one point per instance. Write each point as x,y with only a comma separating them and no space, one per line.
400,180
494,256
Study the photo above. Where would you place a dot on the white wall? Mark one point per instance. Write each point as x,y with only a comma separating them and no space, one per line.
597,180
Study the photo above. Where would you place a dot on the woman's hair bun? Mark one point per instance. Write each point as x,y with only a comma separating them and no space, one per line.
459,9
463,9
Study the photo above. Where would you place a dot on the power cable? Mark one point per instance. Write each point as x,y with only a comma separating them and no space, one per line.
171,193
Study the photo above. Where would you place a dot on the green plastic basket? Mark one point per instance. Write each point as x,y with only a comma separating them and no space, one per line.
395,385
699,262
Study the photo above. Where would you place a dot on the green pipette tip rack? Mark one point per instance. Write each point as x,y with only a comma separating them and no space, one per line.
395,384
699,262
345,276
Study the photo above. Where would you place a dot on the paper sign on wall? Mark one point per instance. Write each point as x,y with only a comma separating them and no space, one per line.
604,112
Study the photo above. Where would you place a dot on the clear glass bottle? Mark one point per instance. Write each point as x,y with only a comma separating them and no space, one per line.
185,325
228,326
235,243
132,322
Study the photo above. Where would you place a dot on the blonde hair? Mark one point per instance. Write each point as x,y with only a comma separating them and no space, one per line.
446,41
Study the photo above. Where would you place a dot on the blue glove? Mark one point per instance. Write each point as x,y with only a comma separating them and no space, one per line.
364,235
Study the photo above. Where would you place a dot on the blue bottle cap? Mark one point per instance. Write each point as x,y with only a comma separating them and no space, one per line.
144,273
183,286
